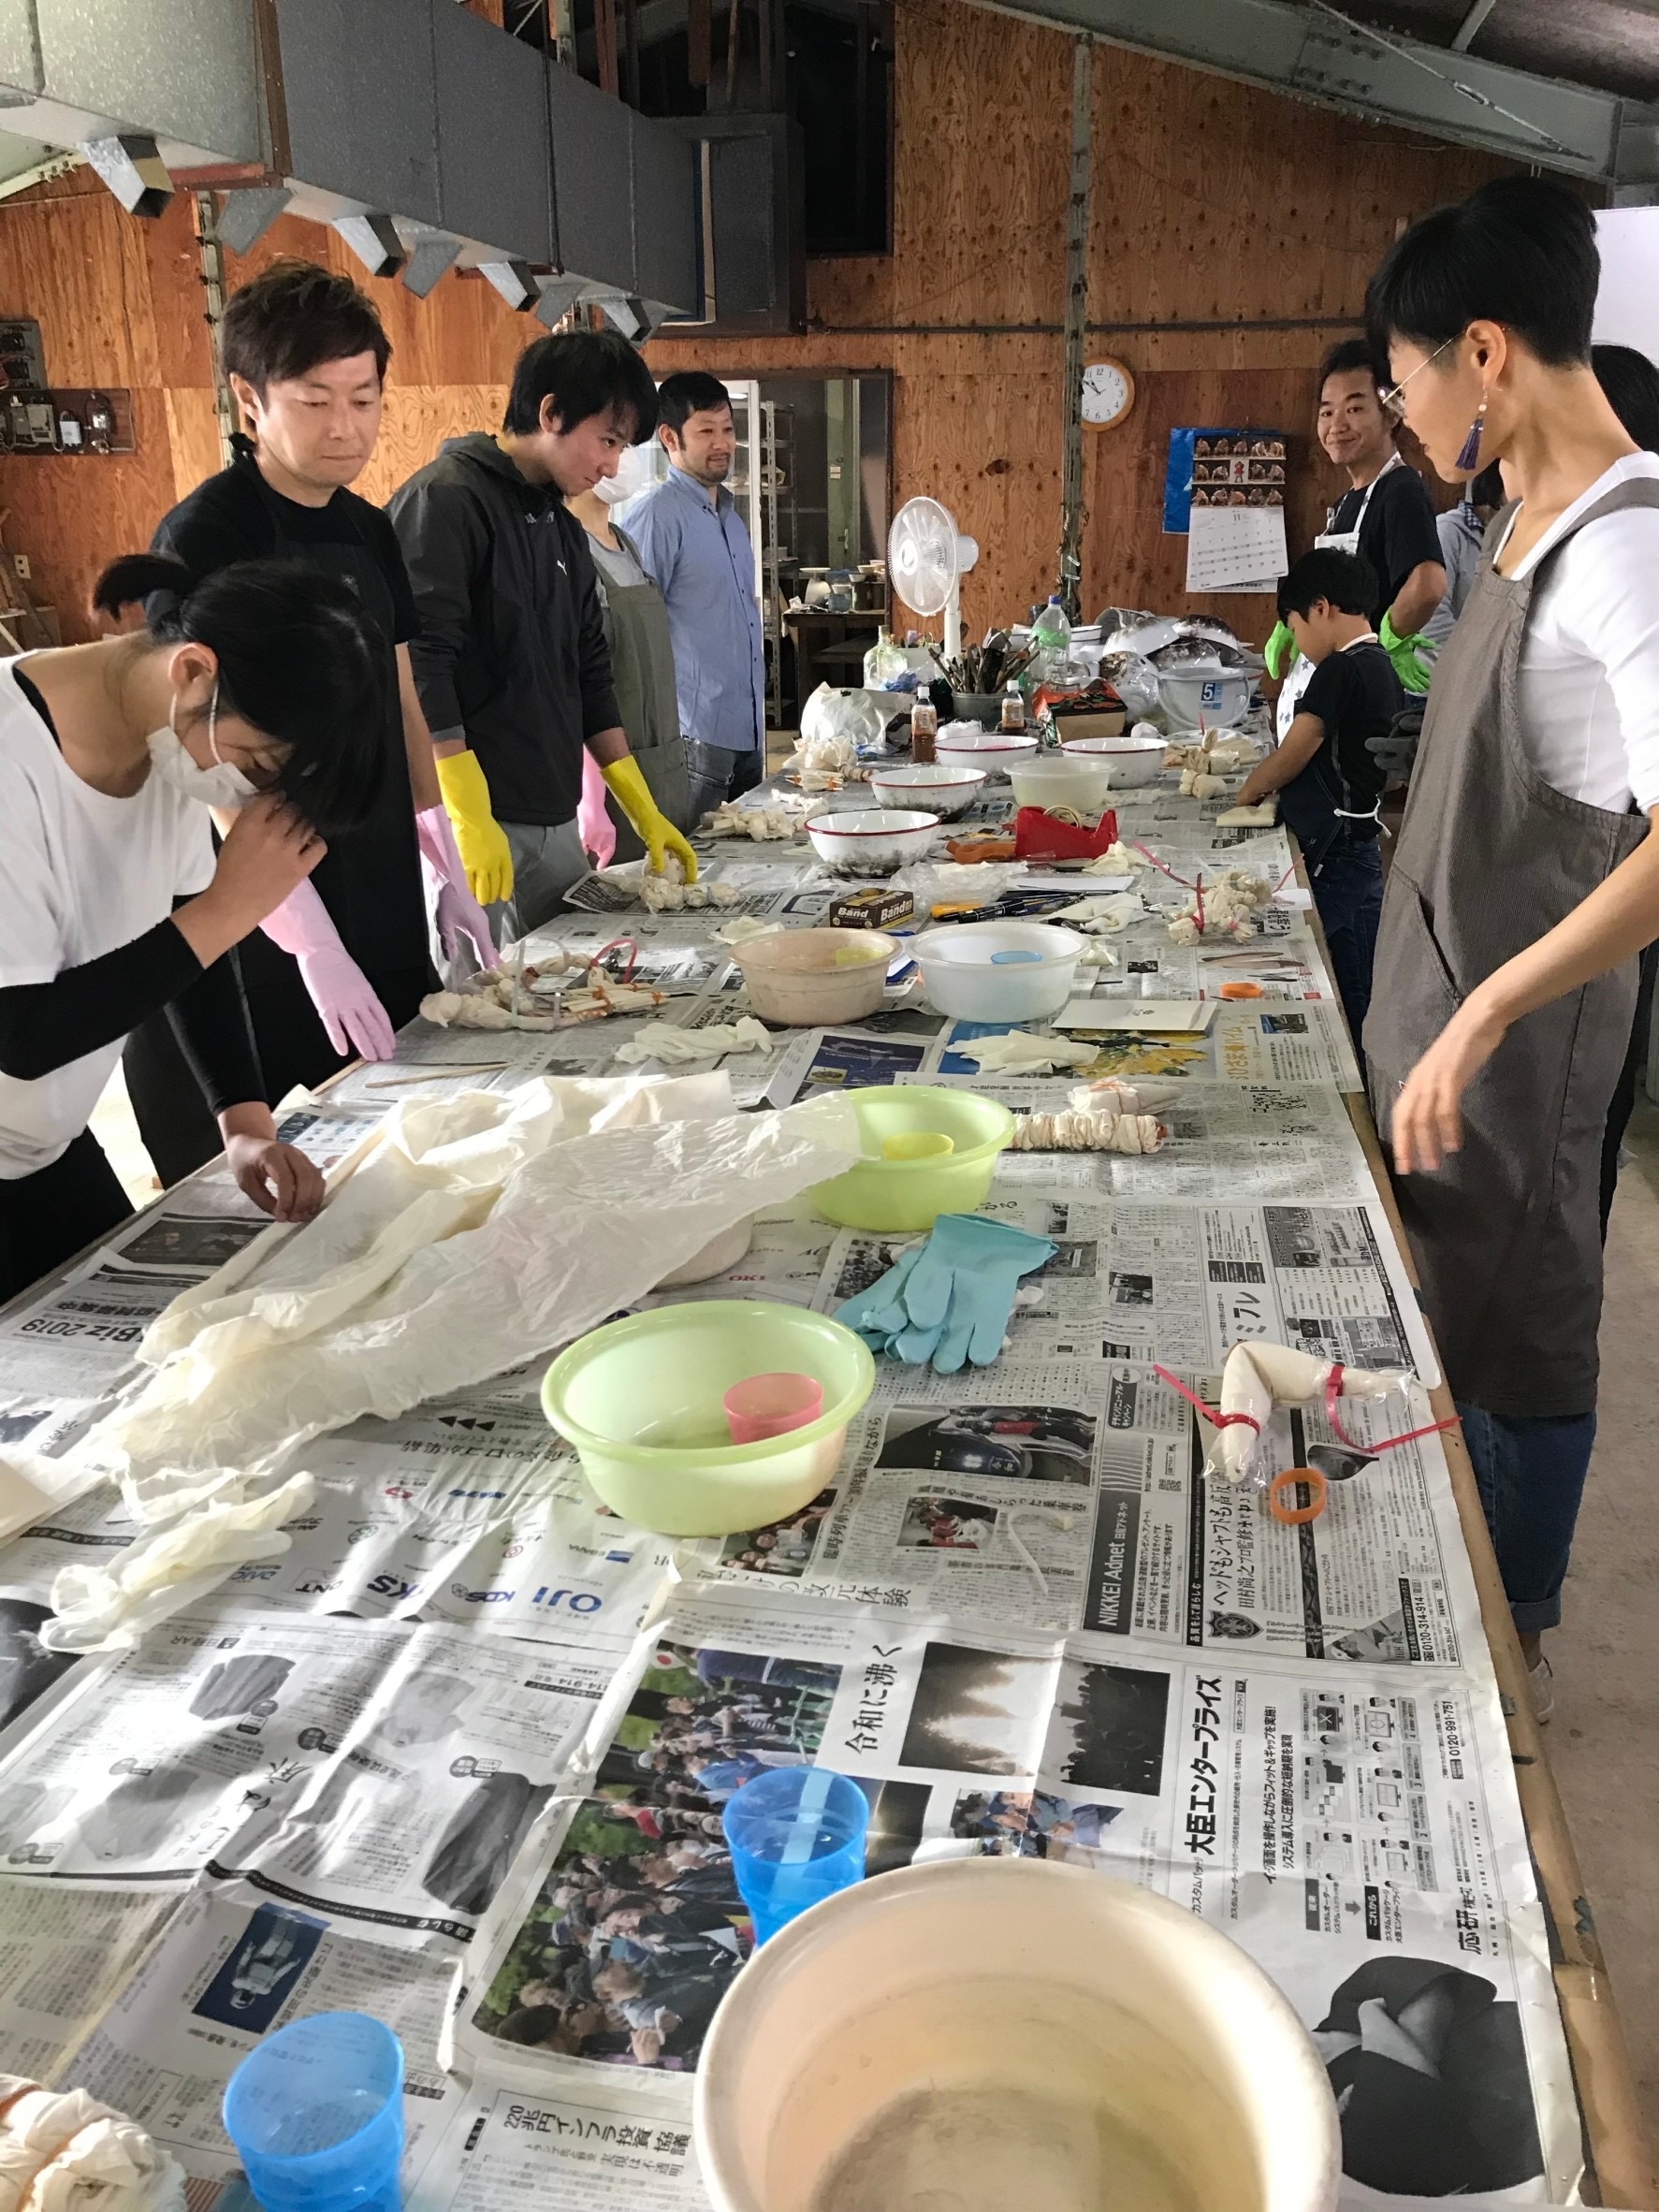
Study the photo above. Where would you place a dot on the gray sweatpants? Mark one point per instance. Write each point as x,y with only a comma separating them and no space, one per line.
545,863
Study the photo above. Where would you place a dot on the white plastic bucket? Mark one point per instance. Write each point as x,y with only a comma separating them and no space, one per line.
994,2033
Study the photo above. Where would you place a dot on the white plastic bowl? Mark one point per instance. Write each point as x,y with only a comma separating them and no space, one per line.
945,788
871,840
990,749
1062,779
1131,761
962,977
1218,697
994,2031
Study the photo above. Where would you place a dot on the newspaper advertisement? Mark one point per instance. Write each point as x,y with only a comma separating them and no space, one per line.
1358,1837
1072,1496
594,2150
223,1976
63,1957
413,1763
77,1341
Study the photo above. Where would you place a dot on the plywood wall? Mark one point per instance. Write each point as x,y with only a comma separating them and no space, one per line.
1213,204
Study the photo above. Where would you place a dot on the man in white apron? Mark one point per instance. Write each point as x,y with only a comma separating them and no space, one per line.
1386,517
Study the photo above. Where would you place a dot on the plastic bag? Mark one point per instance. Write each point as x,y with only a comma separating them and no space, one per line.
831,719
481,1229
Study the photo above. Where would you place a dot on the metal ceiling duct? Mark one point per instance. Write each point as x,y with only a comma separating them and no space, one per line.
398,118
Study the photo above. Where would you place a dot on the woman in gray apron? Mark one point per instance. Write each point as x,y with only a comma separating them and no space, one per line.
642,667
1526,878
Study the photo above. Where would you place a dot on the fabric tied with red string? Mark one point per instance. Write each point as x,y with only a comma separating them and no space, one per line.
1260,1377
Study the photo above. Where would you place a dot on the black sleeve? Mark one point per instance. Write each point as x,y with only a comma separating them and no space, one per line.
45,1025
210,1019
443,540
1410,536
389,554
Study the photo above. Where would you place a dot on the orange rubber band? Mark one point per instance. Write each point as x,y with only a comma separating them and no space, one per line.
1297,1516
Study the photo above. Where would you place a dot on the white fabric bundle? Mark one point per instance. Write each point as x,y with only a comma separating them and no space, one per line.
69,2153
1072,1131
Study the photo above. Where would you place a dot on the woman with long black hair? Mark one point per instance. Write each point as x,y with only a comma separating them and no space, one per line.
1526,878
247,704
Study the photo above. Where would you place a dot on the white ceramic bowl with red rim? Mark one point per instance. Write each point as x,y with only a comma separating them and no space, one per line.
1132,760
989,750
942,786
877,838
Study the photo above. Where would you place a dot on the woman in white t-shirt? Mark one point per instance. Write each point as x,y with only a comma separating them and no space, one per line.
248,702
1526,876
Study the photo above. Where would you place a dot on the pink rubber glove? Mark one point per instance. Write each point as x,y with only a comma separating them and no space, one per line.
460,915
354,1019
594,826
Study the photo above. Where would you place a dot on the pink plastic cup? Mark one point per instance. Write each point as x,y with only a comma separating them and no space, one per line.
766,1405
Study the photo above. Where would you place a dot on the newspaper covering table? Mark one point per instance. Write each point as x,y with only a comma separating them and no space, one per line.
459,1756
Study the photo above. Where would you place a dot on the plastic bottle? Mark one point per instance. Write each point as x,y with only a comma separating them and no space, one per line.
883,662
924,729
1013,706
1050,635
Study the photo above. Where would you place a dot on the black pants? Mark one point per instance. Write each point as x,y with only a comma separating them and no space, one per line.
1623,1098
45,1217
180,1133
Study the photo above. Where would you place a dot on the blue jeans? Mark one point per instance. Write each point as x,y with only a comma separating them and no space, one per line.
717,773
1529,1471
1347,888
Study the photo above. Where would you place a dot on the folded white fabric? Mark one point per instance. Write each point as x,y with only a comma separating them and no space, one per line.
69,2153
682,1048
106,1608
1259,1376
1017,1052
1112,910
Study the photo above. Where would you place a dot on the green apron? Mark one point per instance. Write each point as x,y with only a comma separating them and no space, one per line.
642,668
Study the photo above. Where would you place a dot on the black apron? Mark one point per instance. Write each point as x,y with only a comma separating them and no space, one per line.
1505,1233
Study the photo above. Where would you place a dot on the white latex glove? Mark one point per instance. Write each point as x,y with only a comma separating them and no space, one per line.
1019,1052
662,1040
460,915
353,1017
99,1609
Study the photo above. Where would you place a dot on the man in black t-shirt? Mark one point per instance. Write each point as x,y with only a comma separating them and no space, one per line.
1387,504
345,961
1329,782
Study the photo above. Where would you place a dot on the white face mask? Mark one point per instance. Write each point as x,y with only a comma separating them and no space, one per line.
222,785
613,490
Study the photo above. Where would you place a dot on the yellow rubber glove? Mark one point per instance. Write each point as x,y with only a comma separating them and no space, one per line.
479,838
653,829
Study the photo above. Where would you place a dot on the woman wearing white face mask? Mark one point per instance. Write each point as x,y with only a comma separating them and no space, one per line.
250,701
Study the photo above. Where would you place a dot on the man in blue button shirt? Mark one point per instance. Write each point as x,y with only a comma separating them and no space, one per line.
691,541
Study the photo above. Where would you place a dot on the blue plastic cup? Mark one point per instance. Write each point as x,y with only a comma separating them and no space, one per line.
316,2114
797,1835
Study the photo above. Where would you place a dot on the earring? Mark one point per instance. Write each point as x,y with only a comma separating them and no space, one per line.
1469,452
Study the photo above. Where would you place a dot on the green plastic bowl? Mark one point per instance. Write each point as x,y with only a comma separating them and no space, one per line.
640,1400
899,1195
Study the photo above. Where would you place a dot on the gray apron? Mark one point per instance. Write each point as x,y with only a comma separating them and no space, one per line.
1507,1233
642,669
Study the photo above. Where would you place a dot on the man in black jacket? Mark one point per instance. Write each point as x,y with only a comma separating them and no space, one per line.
511,663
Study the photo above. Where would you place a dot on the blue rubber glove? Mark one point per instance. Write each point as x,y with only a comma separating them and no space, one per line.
948,1301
